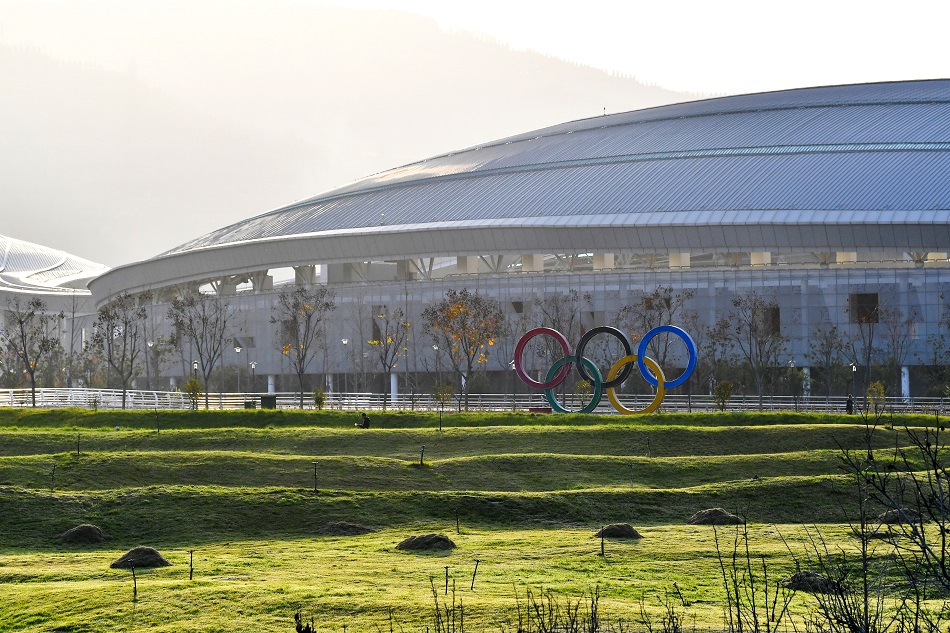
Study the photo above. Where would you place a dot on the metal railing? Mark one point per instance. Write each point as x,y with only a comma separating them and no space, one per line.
139,399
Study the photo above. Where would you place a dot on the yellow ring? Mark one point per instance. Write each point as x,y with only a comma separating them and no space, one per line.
660,390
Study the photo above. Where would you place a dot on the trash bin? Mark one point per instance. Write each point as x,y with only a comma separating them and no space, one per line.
250,404
268,402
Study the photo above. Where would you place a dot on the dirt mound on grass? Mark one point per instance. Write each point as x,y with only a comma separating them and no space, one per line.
140,557
896,516
618,530
85,534
427,542
342,528
714,516
812,582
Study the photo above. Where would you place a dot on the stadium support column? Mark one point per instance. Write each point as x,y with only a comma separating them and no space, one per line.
261,281
905,383
679,260
271,383
603,261
304,275
532,263
404,270
226,287
466,265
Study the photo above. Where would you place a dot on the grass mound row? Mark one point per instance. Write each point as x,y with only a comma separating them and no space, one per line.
278,512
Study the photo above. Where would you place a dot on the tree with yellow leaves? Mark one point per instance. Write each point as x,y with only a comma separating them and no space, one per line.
465,325
299,316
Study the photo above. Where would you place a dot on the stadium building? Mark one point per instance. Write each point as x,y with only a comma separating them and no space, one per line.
30,271
832,202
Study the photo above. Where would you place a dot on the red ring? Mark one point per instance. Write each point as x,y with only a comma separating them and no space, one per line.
519,351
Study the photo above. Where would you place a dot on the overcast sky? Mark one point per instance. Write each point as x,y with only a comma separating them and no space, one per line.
131,126
720,47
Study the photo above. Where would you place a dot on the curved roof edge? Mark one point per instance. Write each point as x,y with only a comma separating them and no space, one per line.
30,268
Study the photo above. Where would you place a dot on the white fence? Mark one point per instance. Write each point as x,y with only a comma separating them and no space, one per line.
136,399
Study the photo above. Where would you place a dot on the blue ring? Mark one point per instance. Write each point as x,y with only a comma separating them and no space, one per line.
690,347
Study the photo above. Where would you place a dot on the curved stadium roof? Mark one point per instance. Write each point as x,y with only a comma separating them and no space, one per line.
33,269
841,168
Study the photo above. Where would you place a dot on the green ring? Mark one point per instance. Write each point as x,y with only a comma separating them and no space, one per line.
598,386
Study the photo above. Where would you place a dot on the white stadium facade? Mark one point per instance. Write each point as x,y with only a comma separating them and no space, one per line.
59,279
816,198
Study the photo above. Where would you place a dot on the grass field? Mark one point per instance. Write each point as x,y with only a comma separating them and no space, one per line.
521,493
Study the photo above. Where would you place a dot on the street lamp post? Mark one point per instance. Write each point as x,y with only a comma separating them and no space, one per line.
253,365
793,377
854,375
148,357
346,373
237,350
194,368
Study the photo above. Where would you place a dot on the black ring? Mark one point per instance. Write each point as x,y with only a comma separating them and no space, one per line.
627,347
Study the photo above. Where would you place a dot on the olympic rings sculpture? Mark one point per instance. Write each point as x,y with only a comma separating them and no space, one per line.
618,373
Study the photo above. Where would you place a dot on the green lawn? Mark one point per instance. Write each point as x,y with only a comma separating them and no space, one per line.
528,492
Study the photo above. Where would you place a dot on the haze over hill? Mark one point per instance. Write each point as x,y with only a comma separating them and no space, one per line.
127,132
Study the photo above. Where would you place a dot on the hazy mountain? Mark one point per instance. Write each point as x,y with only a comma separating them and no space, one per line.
214,112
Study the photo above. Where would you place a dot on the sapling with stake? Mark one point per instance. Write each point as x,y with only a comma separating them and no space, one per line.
474,573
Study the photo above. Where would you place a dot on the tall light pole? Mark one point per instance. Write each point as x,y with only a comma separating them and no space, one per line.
511,367
346,373
793,377
194,368
253,365
237,350
438,363
148,357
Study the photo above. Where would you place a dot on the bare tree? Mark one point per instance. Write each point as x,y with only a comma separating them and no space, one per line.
118,330
716,354
826,353
75,341
565,312
205,321
663,306
895,333
754,328
299,316
465,326
390,330
30,335
861,346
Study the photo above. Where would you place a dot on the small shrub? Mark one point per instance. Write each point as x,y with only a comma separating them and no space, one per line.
722,393
443,394
319,399
875,395
193,390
